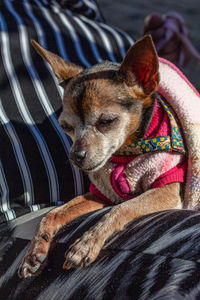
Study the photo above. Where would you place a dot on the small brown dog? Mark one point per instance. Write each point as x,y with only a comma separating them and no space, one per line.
106,108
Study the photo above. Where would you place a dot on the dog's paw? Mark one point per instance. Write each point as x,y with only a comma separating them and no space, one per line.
34,260
83,251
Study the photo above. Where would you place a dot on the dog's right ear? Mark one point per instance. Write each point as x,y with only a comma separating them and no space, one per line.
61,68
141,65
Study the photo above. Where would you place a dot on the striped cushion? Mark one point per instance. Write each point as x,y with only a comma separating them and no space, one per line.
155,257
34,166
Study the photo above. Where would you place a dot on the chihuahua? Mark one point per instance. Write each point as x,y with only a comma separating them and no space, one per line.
112,113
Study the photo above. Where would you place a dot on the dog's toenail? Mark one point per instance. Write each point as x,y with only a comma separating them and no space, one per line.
86,260
45,237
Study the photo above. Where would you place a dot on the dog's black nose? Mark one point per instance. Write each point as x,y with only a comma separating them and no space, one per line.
78,156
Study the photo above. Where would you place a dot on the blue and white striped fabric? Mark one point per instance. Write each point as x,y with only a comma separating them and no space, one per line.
34,166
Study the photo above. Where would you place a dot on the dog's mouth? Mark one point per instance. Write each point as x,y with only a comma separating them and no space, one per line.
94,168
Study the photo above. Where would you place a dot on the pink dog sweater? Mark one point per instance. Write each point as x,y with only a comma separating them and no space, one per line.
132,175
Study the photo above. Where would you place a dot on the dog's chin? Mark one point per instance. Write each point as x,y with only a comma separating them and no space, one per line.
94,168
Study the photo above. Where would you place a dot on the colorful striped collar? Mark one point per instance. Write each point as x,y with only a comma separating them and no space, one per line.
171,142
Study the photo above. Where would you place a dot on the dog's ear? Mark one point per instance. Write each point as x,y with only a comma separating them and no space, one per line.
61,68
140,65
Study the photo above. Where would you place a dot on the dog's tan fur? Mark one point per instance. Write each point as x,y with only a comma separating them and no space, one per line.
102,95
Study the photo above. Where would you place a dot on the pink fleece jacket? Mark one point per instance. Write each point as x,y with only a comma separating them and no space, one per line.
151,170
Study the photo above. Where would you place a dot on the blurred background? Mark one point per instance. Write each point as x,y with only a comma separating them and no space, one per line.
130,14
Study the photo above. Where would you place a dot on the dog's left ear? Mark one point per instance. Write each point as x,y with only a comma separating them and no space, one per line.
63,69
140,65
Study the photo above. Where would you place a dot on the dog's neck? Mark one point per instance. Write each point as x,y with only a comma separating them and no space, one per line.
146,118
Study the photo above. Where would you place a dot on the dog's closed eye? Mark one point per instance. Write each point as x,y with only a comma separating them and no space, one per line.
105,123
66,127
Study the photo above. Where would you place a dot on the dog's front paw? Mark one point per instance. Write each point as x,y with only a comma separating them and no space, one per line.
84,250
35,258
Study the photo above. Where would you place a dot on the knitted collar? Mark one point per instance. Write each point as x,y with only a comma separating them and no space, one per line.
174,141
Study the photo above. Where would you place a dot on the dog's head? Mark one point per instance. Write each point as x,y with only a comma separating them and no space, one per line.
103,105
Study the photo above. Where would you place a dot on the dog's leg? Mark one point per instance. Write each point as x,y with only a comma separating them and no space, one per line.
50,225
86,249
